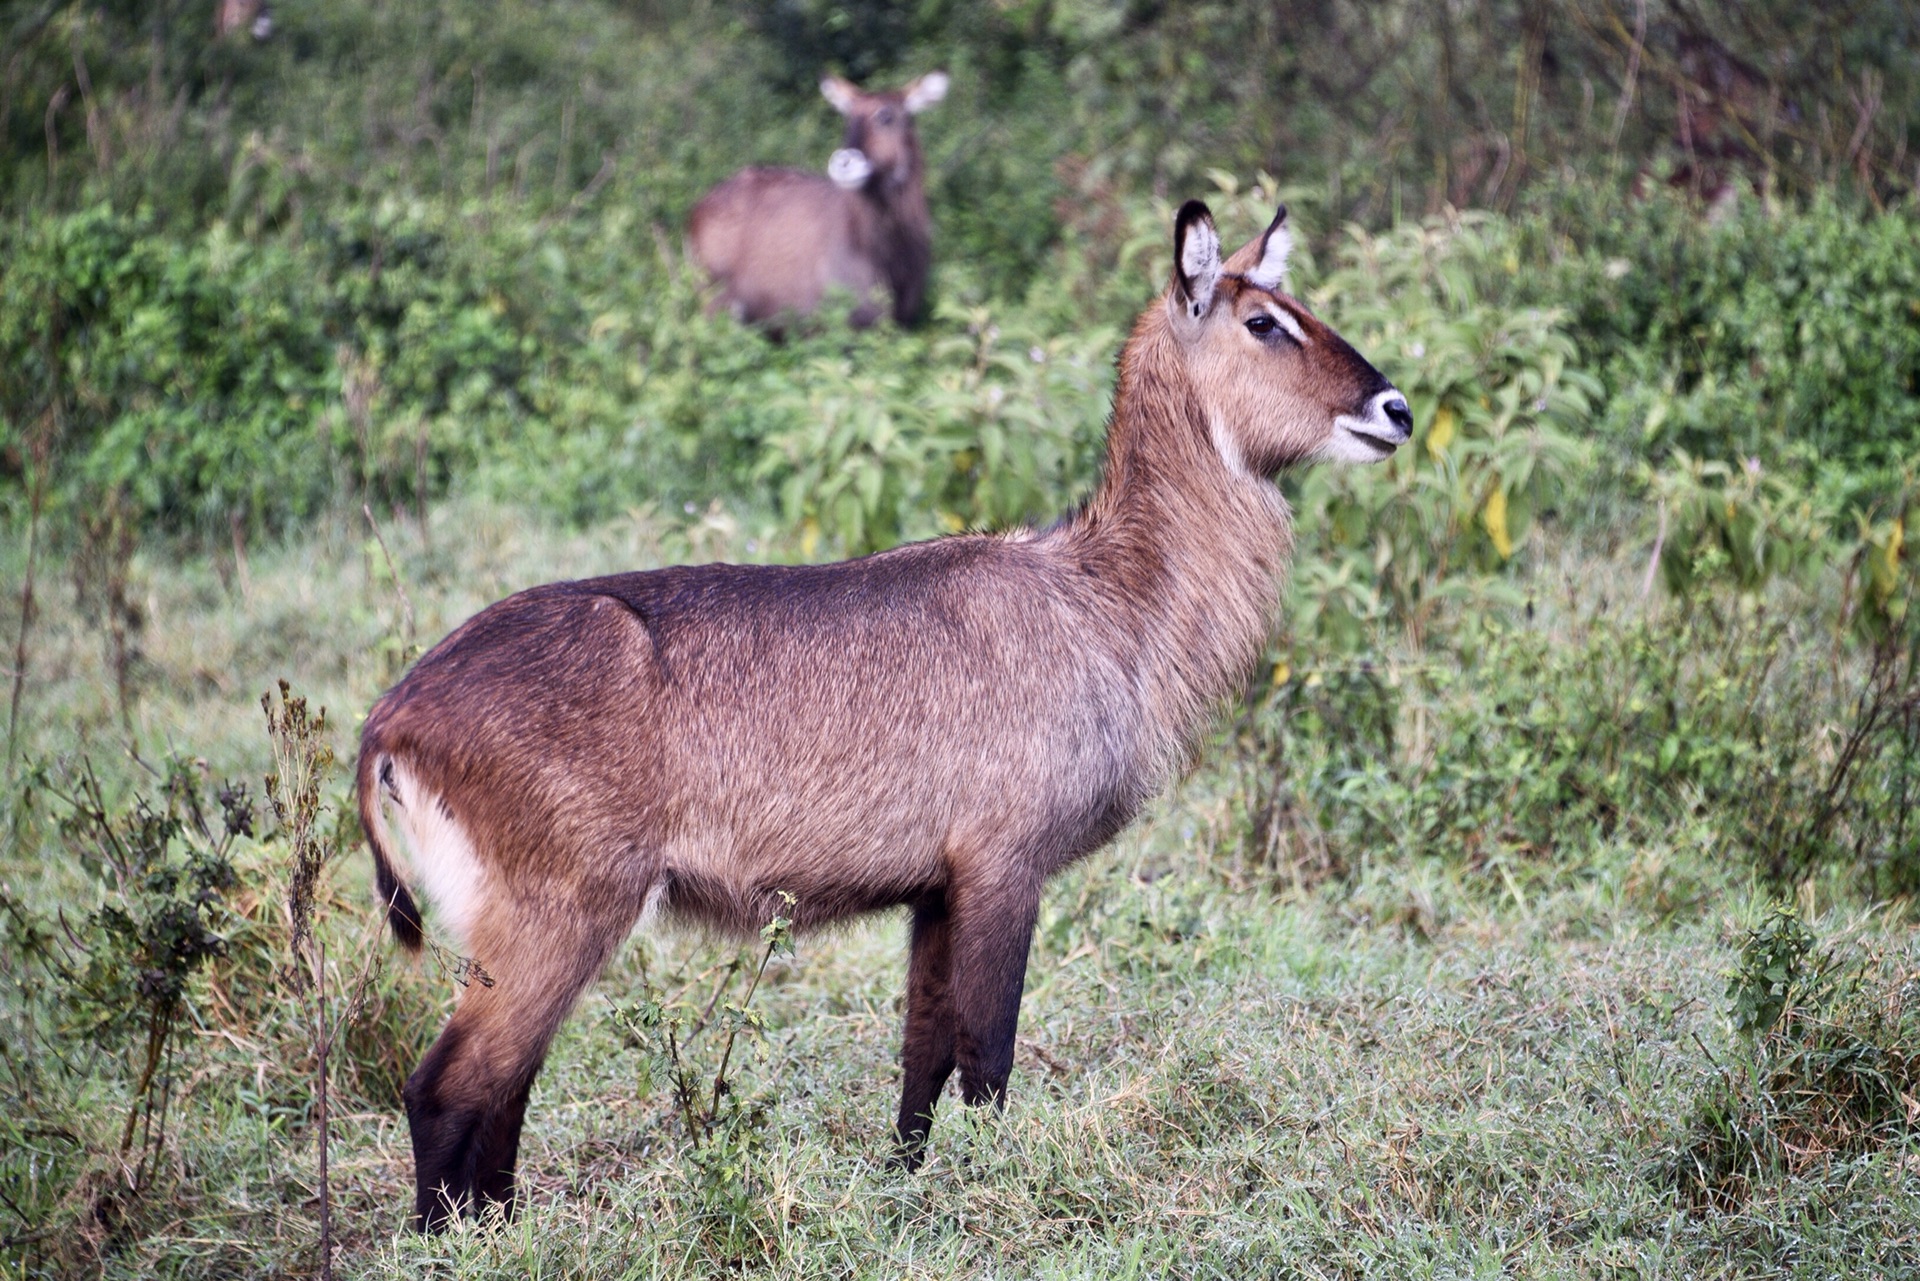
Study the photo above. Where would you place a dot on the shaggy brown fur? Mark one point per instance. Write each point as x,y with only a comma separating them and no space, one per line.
777,241
943,726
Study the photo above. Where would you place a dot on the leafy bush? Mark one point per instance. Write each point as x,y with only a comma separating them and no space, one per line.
987,425
105,998
1498,402
180,374
219,379
1516,746
1828,1066
1790,336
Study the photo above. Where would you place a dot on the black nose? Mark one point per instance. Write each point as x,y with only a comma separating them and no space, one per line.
1398,414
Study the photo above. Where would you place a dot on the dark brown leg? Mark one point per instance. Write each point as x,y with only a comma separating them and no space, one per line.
465,1120
468,1098
926,1057
992,931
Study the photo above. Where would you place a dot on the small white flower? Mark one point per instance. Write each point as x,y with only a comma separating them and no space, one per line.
1417,350
1036,355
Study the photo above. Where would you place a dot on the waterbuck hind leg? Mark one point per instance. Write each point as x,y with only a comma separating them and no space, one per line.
465,1125
992,928
927,1052
467,1099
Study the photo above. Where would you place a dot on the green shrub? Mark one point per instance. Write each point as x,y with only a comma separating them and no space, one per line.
990,424
103,1000
1507,746
185,375
1790,335
1498,403
1826,1069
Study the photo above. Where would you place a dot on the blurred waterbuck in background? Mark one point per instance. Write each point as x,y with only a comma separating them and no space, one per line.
235,17
777,241
942,726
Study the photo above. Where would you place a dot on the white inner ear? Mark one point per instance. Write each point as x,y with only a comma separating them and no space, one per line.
926,91
841,94
1200,265
1271,271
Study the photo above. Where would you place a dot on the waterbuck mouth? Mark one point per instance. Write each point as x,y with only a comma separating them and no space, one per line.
849,168
1371,441
1387,425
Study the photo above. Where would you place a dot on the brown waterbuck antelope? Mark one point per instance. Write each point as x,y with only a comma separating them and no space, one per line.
942,726
778,240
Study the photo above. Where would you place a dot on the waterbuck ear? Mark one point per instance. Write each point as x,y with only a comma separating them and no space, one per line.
1196,259
1270,272
925,91
840,93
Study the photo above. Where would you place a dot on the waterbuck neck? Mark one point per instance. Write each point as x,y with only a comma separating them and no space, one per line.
1192,546
902,231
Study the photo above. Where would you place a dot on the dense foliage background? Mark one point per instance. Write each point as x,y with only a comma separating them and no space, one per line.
312,344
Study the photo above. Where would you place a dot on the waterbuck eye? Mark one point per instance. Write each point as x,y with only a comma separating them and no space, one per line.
1260,325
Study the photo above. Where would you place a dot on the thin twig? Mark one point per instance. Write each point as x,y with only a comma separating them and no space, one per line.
370,953
706,1015
240,573
41,450
322,1045
406,604
26,620
1653,561
1633,73
726,1052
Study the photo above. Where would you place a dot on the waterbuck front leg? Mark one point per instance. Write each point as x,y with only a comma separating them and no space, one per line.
992,928
964,977
926,1055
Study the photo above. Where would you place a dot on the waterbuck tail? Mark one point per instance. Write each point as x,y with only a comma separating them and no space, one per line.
402,913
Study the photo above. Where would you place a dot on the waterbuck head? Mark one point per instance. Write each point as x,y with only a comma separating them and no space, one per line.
1279,387
880,146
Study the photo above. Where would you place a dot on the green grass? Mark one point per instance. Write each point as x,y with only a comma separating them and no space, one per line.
1419,1067
1431,963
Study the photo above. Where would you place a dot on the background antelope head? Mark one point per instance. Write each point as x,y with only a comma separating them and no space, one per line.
880,145
1279,388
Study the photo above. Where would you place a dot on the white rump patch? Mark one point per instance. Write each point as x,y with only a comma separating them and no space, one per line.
926,91
439,853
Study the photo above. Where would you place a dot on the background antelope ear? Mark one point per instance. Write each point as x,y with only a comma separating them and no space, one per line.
925,91
840,93
1269,271
1196,258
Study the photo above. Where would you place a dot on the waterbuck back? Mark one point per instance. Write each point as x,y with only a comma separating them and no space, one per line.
777,242
939,727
